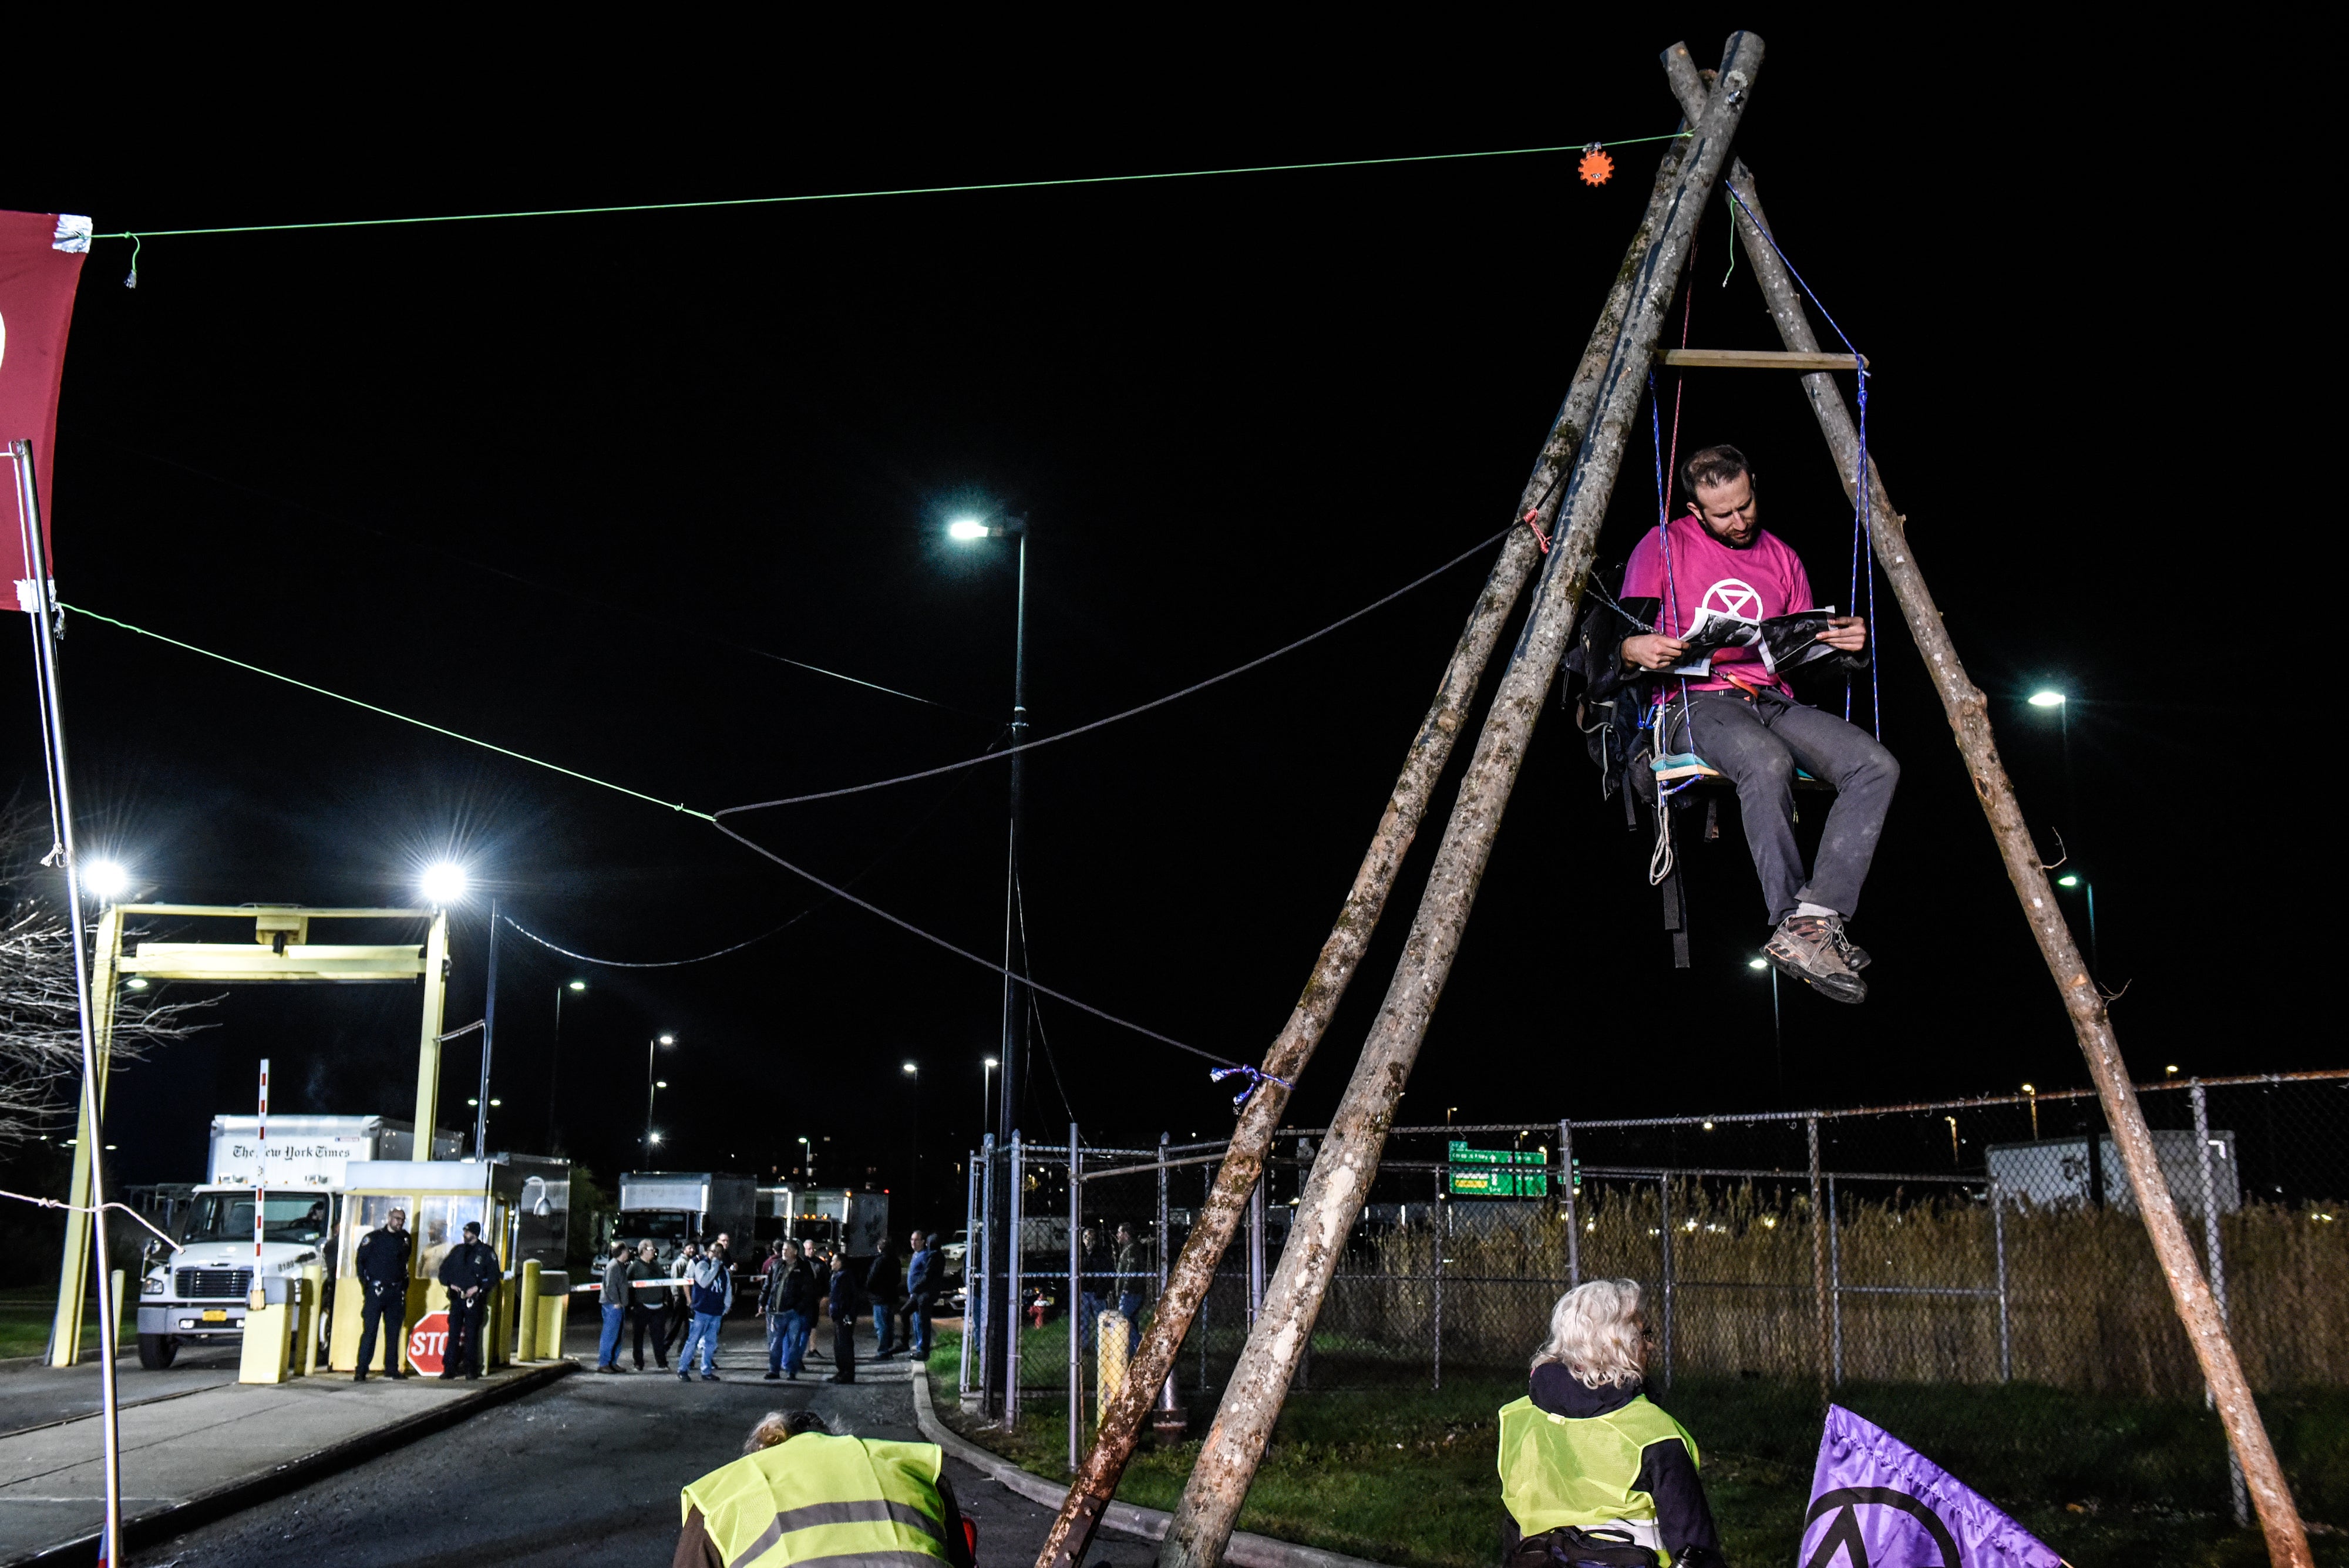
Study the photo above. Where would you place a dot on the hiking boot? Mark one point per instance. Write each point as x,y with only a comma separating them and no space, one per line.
1808,947
1855,956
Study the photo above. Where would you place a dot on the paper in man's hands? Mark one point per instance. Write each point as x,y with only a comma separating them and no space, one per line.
1784,642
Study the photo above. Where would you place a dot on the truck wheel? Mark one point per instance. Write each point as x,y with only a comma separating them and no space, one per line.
156,1351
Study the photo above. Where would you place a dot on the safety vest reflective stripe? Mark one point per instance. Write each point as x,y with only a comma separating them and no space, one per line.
816,1499
1556,1470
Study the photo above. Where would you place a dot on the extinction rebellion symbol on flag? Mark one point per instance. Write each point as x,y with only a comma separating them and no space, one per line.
1876,1502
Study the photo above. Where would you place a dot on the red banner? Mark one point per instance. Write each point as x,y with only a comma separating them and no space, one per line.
40,263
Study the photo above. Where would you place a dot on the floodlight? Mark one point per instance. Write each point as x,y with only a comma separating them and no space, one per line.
2047,699
137,983
910,1067
1758,964
578,985
966,528
993,1062
668,1039
2067,880
106,880
444,883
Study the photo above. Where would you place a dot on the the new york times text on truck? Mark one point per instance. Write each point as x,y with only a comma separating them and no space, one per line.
196,1293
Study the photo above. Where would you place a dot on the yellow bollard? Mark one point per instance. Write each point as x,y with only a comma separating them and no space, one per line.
526,1337
314,1307
553,1313
1109,1336
268,1330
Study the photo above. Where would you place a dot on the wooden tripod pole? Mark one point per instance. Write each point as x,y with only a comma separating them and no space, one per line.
1350,1155
1430,749
1969,719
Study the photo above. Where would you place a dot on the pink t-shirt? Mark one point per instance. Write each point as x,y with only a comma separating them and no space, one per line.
1764,579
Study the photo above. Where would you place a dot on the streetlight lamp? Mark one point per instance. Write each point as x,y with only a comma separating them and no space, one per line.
2072,881
651,1087
987,1090
104,880
807,1161
968,530
555,1066
2049,697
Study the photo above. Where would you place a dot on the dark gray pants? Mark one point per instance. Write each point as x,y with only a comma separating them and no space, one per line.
1759,745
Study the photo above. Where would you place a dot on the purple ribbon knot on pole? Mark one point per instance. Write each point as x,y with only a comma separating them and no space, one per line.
1253,1076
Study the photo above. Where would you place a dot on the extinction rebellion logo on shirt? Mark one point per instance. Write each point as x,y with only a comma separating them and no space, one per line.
1732,596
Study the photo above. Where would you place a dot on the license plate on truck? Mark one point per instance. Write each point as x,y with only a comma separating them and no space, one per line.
214,1315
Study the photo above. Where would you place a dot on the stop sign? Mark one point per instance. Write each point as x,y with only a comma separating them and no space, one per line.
427,1341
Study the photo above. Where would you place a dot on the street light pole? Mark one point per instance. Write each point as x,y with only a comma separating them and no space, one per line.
999,1308
656,1040
912,1070
554,1064
488,1043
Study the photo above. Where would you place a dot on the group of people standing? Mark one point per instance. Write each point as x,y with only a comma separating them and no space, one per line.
798,1282
1122,1272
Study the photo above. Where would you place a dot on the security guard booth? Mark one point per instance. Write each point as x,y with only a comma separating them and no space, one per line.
520,1202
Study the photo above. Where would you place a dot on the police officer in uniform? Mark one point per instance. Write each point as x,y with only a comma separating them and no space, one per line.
847,1498
1585,1451
470,1272
382,1269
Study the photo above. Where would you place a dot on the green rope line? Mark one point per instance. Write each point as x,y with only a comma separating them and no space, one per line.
900,191
389,714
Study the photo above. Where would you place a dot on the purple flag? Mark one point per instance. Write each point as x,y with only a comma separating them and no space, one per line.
1877,1503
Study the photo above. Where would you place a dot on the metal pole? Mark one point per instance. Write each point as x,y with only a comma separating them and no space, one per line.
1834,1278
1818,1258
1441,1231
2215,1261
1573,1212
1256,1252
554,1068
1664,1189
990,1366
1998,1238
53,722
973,1251
649,1044
1014,1002
1015,1256
489,1039
1076,1300
1167,1389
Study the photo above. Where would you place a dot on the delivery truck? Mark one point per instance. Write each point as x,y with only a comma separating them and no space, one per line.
196,1293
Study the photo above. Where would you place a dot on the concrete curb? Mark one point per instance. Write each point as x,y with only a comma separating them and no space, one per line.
1245,1549
145,1529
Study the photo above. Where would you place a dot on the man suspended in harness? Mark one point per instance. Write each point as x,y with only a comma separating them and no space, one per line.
1590,1472
798,1493
1740,717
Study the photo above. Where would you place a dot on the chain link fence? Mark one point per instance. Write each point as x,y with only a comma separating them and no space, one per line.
1966,1241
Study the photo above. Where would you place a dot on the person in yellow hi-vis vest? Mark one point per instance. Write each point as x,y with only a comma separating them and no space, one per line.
797,1492
1590,1472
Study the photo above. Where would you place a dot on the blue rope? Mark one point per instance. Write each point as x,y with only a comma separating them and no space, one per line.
1254,1077
1863,527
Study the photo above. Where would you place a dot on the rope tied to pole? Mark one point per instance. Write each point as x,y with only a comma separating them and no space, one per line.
1254,1077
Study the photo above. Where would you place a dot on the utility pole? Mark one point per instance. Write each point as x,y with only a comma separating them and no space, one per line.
1350,1156
1333,969
1969,715
489,1040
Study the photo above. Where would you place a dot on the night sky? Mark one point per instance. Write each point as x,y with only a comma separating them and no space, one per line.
571,484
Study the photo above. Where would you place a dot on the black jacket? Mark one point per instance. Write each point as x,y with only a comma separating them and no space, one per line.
885,1282
469,1264
1667,1470
383,1256
790,1287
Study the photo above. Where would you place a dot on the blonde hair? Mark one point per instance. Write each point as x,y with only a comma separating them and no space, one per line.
1595,1333
774,1427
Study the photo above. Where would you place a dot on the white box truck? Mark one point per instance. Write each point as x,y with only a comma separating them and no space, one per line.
196,1295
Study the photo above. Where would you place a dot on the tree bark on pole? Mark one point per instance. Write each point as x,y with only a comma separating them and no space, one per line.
1968,717
1424,764
1350,1155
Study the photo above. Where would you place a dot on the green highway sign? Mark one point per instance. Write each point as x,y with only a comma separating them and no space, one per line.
1497,1172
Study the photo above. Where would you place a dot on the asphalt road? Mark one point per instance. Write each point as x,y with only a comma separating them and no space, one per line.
588,1469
